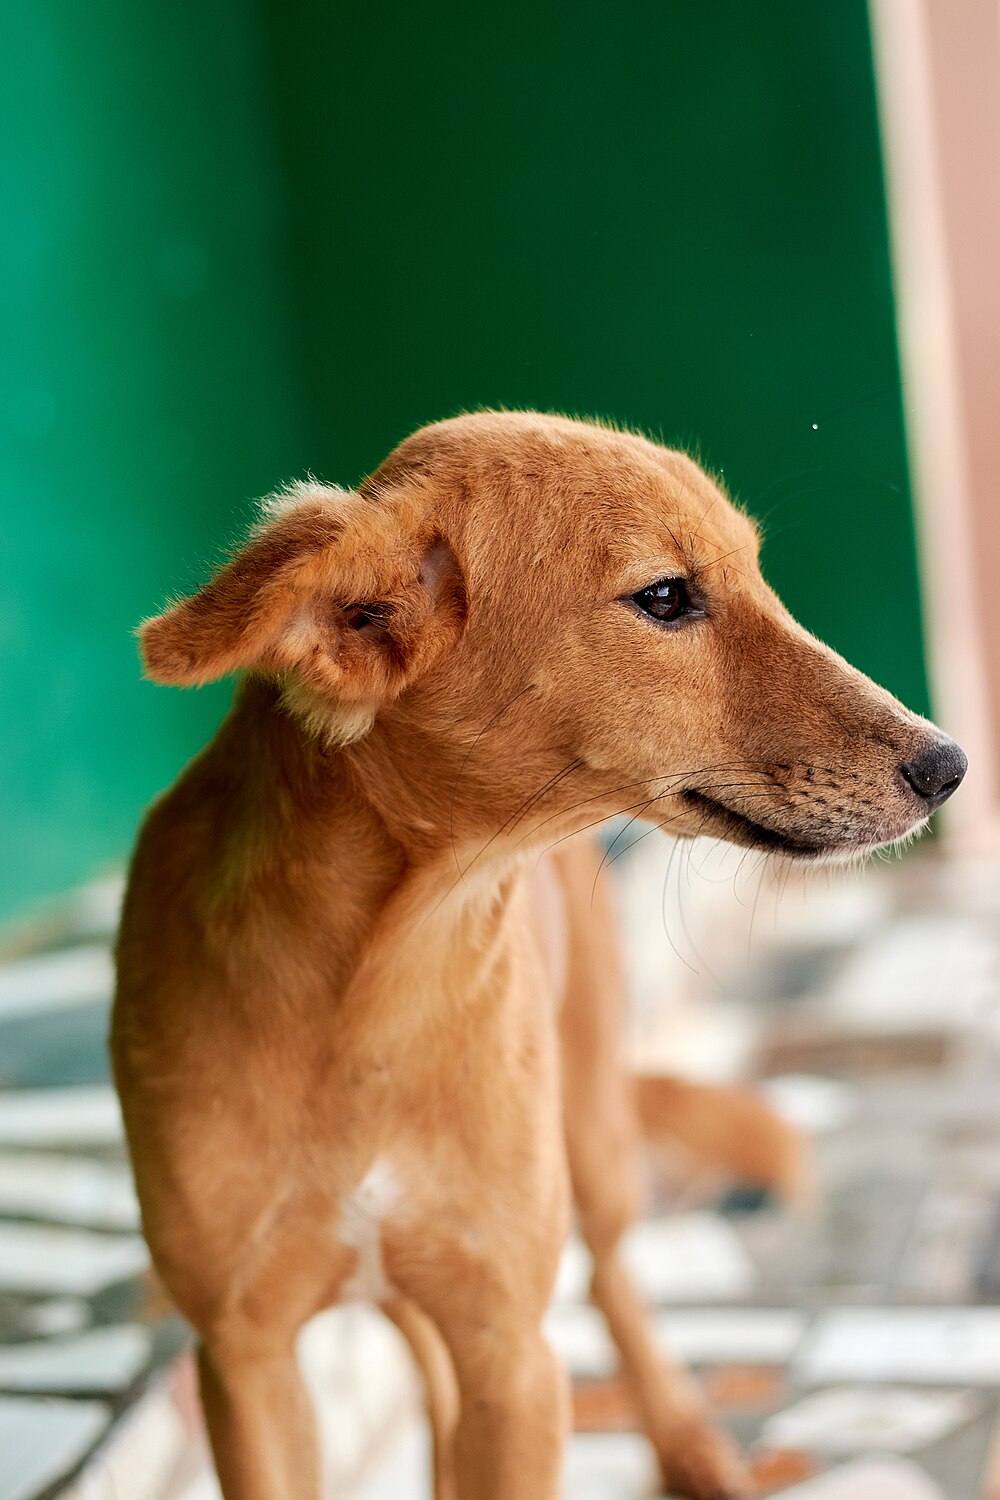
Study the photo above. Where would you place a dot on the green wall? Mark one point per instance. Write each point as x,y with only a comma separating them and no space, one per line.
147,385
668,211
250,239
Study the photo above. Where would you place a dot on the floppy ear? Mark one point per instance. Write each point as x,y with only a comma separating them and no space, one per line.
352,597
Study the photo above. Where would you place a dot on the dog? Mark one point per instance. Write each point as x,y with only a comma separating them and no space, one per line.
366,1023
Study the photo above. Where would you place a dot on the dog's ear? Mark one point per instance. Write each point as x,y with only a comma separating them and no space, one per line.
349,597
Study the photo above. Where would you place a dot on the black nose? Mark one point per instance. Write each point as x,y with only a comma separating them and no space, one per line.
936,771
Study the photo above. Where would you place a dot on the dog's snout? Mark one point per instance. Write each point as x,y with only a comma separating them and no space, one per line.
936,771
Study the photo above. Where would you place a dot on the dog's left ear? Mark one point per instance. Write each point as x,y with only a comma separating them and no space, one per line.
349,597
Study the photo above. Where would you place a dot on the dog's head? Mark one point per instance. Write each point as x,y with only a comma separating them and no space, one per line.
523,624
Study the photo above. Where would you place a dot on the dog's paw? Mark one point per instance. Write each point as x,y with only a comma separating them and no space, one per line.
703,1464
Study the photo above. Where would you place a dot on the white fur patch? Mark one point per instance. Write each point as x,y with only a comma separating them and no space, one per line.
362,1214
299,492
300,632
335,724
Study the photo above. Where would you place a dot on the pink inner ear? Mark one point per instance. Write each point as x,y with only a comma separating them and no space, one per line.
441,571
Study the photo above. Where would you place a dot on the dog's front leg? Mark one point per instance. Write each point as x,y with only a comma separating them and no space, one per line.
512,1430
484,1281
260,1419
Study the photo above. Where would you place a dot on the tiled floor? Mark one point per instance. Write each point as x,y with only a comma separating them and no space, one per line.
853,1347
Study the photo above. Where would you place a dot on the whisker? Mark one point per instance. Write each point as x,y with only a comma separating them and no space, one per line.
734,765
736,876
595,824
680,906
604,857
574,765
653,828
761,788
462,769
620,812
637,816
663,908
526,806
762,867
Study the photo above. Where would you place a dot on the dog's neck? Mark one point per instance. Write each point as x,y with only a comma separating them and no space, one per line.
345,845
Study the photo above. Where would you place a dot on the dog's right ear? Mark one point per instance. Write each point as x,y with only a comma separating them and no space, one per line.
351,596
233,621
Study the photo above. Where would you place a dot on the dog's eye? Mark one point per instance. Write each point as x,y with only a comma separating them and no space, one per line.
666,600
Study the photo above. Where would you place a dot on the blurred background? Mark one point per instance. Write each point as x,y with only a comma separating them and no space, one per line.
244,239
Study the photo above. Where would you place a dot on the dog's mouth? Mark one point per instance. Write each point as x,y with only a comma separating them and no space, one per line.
740,829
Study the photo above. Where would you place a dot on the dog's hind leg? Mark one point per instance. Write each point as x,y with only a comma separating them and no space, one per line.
440,1387
602,1138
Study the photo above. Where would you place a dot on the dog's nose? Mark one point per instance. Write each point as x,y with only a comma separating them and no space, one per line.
936,771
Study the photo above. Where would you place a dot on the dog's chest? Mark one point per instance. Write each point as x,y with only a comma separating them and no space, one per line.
363,1212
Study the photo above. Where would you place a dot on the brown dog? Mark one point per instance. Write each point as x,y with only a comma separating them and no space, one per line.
340,964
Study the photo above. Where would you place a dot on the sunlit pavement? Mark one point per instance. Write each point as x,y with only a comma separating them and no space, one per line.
853,1347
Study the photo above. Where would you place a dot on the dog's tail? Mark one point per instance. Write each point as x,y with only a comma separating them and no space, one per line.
730,1130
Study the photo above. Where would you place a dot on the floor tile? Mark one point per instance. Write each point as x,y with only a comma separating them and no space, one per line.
56,1315
871,1479
68,1190
738,1335
600,1465
693,1257
56,981
41,1439
363,1381
98,1362
687,1257
743,1335
956,1345
919,974
775,1470
581,1339
77,1117
744,1386
205,1486
37,1258
865,1419
55,1048
953,1235
822,1340
814,1104
604,1406
141,1456
404,1473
